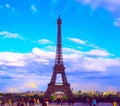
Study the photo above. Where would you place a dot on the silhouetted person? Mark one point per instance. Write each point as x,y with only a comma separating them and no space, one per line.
94,102
114,103
90,101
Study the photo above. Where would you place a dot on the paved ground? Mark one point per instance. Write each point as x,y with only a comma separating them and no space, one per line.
80,104
66,104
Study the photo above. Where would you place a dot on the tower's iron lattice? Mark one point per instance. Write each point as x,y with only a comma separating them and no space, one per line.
58,69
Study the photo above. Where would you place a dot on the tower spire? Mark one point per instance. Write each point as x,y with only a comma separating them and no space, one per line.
59,55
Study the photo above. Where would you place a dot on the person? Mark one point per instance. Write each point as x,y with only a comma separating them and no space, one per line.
46,101
87,101
94,102
37,103
10,102
119,102
43,103
114,103
61,101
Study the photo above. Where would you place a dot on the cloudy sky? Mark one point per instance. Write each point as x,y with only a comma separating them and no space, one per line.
90,37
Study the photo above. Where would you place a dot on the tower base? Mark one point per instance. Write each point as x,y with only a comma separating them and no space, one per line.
55,88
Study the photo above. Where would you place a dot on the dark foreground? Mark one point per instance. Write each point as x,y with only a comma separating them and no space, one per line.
55,104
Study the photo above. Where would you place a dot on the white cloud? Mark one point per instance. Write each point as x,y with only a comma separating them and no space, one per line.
91,83
99,64
117,22
98,52
84,62
111,5
45,54
12,89
7,6
93,46
6,34
44,41
11,59
10,9
93,60
29,83
79,41
86,86
83,42
37,51
33,9
71,51
33,70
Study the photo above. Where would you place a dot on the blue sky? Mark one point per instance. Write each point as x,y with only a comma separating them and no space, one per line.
90,37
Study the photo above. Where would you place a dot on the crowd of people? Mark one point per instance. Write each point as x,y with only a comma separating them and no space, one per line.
44,102
23,102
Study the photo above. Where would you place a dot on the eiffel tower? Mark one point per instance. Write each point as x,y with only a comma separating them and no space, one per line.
58,69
